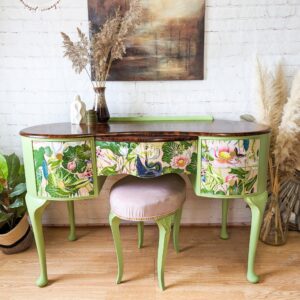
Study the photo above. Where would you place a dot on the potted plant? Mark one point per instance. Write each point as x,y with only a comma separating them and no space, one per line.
15,231
106,45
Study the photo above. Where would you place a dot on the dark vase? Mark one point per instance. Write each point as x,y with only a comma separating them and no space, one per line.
101,106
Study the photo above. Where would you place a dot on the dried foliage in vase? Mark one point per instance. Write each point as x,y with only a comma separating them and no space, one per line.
282,114
105,46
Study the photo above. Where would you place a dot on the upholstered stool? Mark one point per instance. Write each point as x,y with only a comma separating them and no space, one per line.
159,199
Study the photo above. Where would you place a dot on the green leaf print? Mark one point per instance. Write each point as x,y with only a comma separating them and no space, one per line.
48,151
167,170
192,167
38,177
78,154
250,183
38,157
109,170
171,149
239,172
62,183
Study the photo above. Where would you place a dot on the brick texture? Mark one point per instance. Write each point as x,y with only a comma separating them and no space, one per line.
37,84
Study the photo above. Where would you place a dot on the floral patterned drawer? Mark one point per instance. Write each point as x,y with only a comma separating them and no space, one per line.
229,167
146,159
63,169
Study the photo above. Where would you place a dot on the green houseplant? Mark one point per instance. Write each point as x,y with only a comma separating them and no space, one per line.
15,231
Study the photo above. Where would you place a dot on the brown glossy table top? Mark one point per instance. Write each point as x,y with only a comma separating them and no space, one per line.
147,131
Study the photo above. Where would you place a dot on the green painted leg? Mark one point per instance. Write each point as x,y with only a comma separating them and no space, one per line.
176,227
224,234
114,222
140,234
257,205
72,234
35,209
164,226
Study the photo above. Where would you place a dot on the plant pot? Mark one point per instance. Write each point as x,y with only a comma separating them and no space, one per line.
18,239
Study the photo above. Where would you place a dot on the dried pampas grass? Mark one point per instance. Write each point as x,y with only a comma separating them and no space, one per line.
282,114
287,147
272,96
107,44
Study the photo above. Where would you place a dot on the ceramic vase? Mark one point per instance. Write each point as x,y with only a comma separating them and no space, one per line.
78,111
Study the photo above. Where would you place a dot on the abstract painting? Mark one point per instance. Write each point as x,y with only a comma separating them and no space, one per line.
167,45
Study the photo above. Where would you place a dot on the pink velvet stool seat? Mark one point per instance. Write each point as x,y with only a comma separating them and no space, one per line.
140,199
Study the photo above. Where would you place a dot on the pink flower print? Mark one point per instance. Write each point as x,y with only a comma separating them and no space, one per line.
225,154
231,179
180,162
71,165
99,152
89,165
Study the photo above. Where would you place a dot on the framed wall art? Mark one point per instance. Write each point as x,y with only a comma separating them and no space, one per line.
167,45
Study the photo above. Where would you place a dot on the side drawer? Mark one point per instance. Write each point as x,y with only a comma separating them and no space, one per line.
65,168
232,166
146,159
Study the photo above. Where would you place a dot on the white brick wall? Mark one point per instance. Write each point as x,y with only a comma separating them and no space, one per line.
37,84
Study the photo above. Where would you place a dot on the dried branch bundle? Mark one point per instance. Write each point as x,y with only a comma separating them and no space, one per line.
106,45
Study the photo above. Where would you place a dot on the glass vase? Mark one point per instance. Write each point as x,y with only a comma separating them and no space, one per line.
275,224
101,106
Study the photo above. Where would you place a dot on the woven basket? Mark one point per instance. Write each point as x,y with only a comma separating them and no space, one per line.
18,239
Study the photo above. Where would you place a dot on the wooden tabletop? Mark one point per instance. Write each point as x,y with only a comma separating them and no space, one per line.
146,131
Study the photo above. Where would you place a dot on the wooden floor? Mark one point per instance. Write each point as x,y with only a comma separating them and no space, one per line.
206,268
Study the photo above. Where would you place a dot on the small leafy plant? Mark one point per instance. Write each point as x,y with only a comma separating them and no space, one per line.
12,191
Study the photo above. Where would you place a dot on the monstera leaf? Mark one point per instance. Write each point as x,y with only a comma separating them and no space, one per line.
78,154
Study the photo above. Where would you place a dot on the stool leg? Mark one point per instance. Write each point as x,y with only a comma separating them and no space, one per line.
224,234
114,223
164,225
72,234
140,234
176,227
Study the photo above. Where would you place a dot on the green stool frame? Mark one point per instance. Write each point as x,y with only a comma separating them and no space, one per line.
164,226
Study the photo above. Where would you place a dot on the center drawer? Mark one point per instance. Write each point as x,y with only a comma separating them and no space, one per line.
146,159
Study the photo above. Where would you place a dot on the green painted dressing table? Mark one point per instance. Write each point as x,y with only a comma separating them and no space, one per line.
223,159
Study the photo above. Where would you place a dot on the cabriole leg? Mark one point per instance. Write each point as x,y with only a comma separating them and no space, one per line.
257,205
72,234
164,226
224,234
176,227
114,222
140,234
36,209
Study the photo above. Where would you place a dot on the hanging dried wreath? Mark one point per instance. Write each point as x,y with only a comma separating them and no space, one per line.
38,5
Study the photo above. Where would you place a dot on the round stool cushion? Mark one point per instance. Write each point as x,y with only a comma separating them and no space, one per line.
133,198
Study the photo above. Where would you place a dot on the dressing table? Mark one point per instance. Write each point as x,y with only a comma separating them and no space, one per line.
223,159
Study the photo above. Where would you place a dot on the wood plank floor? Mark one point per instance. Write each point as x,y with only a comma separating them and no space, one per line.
206,268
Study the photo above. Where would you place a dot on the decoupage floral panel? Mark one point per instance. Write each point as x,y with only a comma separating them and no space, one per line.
146,159
63,169
229,167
